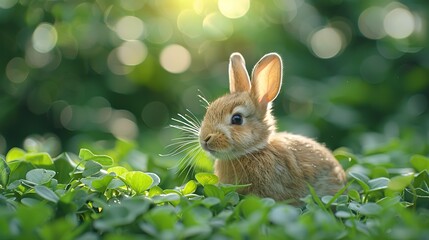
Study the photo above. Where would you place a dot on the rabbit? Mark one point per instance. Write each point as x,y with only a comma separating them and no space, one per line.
239,130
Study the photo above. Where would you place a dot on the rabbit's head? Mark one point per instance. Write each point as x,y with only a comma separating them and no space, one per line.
240,122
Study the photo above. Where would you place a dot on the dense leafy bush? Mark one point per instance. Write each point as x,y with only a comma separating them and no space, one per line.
89,196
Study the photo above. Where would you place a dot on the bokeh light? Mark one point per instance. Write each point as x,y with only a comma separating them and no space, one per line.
175,58
370,23
327,42
88,69
233,9
44,38
124,128
132,53
17,70
36,59
399,23
5,4
115,65
129,28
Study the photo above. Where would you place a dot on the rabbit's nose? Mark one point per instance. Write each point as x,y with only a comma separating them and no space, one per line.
207,139
205,142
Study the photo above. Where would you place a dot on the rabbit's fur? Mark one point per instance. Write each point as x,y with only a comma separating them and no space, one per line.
248,149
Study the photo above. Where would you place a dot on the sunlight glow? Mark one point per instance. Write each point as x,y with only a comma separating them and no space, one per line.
175,58
189,23
44,38
218,27
327,42
233,8
399,23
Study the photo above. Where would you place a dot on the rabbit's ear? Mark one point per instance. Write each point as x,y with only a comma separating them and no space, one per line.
239,80
267,78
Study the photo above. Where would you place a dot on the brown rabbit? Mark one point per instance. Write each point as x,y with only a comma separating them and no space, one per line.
239,130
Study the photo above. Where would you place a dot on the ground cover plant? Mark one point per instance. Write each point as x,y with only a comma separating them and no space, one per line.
89,88
92,196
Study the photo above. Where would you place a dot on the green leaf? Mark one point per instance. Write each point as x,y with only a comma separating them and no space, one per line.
162,217
206,178
87,155
102,183
421,180
420,162
155,178
189,188
15,154
138,181
343,214
19,169
40,176
91,168
4,173
370,209
210,201
155,191
46,193
378,183
283,214
353,194
213,191
361,179
399,183
250,205
169,197
40,159
196,216
64,165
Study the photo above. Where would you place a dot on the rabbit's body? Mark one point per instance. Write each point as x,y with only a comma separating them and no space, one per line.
239,130
283,169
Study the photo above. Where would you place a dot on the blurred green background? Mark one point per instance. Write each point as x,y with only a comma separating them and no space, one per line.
85,73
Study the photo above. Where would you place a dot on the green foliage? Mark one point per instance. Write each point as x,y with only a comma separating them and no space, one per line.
96,200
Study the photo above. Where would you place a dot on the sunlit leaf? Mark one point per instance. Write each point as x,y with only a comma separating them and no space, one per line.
15,154
138,181
118,170
39,158
190,187
87,155
420,162
206,178
353,194
399,183
4,173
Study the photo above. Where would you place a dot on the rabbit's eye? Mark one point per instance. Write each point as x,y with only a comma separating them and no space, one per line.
237,119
